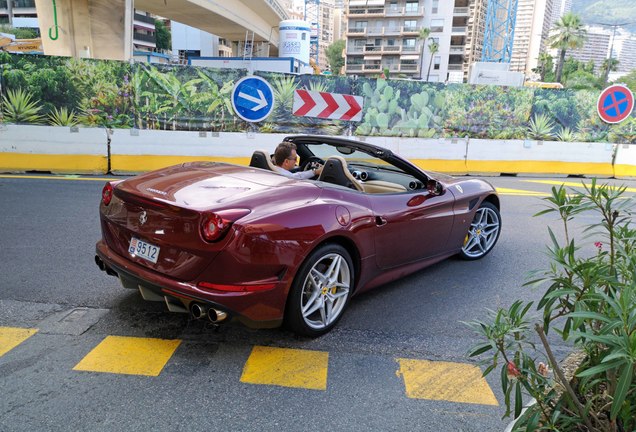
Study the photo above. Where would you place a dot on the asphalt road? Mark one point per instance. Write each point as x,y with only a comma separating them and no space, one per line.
49,282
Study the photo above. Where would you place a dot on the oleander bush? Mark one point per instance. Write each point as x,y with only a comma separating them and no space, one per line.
588,301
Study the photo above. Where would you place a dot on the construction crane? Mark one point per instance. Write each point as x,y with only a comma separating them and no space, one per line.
501,16
312,15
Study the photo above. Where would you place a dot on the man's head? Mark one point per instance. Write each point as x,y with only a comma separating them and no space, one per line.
285,155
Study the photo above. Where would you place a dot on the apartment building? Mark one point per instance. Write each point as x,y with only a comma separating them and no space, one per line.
384,34
532,28
18,13
595,49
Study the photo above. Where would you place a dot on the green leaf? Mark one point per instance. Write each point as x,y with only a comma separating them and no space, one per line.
518,400
589,315
622,387
480,349
603,367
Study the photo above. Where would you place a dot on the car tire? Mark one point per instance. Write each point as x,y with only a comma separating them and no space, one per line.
483,232
320,291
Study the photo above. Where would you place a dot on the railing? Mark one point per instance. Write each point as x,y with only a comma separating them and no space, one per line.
145,18
409,68
403,11
354,67
461,29
357,31
364,11
457,49
455,67
460,11
409,29
409,49
24,3
144,37
375,31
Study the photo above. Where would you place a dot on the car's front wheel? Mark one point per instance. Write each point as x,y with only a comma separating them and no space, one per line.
320,291
483,232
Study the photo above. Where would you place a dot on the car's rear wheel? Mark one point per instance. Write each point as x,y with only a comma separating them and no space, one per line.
320,291
483,232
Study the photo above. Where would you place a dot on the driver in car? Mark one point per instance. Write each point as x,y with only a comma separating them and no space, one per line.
285,159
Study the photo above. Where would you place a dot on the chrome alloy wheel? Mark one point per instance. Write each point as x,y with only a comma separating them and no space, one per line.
483,232
325,291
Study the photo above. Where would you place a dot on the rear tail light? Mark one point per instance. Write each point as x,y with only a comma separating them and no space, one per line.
215,225
107,193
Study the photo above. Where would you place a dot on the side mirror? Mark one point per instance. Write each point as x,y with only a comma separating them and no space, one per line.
434,187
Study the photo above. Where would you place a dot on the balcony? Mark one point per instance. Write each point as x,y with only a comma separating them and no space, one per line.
457,49
403,12
24,4
455,67
375,31
365,12
459,30
145,19
144,38
410,30
357,31
461,11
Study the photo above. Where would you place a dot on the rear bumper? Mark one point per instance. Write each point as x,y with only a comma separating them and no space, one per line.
254,309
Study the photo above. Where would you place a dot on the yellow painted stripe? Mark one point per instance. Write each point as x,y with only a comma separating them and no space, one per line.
60,177
519,192
540,167
442,165
454,382
11,337
58,163
139,163
287,368
571,184
129,355
621,170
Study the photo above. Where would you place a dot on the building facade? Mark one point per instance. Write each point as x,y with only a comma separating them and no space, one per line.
596,48
531,32
385,34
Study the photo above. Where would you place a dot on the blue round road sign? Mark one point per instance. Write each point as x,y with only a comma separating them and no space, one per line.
252,98
615,104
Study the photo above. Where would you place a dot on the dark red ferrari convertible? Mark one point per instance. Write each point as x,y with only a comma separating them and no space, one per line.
222,241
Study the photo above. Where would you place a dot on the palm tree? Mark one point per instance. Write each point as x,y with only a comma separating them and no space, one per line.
433,47
569,34
425,32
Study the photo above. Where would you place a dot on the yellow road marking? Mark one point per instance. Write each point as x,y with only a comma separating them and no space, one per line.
519,192
572,184
287,368
129,355
454,382
11,337
60,177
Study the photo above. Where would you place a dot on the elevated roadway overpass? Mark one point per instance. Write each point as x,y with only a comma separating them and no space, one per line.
103,28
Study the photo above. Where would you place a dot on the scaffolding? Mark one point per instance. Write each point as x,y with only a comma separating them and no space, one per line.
500,30
312,16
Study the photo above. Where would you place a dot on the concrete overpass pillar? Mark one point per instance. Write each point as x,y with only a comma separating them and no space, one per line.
86,28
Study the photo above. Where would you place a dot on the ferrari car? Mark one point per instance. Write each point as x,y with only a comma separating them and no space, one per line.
225,242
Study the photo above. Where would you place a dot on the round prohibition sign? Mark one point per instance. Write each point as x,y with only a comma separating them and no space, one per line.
615,104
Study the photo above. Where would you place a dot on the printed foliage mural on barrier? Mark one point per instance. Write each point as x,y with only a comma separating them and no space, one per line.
66,92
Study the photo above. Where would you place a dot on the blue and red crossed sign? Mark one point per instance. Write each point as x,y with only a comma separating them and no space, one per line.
615,104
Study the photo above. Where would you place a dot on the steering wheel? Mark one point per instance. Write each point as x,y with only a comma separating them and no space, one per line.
312,163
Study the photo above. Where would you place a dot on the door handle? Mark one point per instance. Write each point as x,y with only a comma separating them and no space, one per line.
379,221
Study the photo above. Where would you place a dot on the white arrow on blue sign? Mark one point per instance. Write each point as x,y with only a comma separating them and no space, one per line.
252,98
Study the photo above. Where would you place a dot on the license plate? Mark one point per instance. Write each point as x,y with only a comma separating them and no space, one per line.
143,250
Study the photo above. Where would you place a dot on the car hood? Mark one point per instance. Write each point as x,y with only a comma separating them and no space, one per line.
210,185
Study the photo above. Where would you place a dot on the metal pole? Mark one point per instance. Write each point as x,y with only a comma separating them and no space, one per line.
609,60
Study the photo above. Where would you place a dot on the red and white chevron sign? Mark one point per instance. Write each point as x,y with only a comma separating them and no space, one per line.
324,105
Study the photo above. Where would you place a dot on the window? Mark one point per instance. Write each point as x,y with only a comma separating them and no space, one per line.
393,6
437,25
360,24
435,6
390,42
410,25
436,61
412,6
408,43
